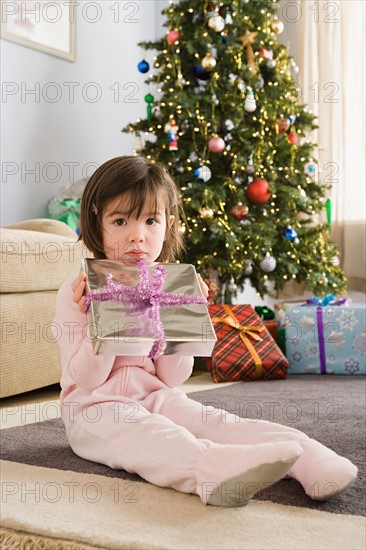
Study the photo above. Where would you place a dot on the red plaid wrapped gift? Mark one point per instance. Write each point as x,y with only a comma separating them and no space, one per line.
244,350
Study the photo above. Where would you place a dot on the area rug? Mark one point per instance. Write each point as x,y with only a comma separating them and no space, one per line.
53,499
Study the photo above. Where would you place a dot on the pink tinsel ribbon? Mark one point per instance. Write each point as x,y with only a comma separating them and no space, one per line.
147,296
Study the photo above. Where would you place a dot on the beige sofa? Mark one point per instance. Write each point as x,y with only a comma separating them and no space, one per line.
37,256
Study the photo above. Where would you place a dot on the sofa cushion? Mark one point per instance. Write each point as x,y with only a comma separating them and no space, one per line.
34,260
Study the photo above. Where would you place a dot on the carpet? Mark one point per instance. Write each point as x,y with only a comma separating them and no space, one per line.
53,499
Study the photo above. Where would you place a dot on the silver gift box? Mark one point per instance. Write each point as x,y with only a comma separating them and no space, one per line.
115,329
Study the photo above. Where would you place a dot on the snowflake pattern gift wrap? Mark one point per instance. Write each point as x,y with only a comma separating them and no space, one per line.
145,310
244,350
325,339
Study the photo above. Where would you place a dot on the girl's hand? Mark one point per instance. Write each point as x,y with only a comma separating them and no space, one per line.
203,286
78,286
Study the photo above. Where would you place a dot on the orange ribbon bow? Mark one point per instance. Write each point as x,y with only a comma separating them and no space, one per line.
245,332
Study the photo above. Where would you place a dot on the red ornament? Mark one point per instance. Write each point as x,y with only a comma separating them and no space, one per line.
239,211
292,138
216,145
172,37
258,191
267,54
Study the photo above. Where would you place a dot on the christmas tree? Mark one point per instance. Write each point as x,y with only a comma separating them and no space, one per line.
223,117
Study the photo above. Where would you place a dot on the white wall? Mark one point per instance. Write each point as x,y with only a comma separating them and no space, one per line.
55,134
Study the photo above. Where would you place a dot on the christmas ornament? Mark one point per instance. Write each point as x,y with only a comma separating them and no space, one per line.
171,129
232,287
246,41
241,85
216,23
149,100
248,270
222,11
335,261
216,145
258,191
250,104
172,37
138,142
292,119
203,173
268,263
239,211
229,19
292,137
291,234
201,73
311,169
283,124
208,62
229,124
250,168
211,10
206,213
293,67
143,66
259,84
277,26
267,54
271,63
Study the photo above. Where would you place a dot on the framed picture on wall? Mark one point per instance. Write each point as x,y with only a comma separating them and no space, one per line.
48,27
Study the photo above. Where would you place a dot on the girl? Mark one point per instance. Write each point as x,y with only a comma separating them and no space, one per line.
127,412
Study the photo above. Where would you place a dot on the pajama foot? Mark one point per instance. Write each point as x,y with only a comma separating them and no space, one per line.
238,490
238,472
336,479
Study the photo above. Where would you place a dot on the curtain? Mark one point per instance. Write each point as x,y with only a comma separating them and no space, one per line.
331,58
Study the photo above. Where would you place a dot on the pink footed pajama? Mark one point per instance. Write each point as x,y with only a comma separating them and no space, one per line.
127,413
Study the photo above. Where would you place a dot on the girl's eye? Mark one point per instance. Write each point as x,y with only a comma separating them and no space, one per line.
120,222
150,221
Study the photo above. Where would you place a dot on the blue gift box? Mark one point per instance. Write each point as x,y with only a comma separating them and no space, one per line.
325,339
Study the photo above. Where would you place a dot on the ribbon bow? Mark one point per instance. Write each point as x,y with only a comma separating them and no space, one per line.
328,300
245,332
147,296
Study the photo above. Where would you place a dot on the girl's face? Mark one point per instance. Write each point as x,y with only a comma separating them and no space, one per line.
129,239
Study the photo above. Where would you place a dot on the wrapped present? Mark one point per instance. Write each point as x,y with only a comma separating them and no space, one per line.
146,310
277,332
325,337
244,349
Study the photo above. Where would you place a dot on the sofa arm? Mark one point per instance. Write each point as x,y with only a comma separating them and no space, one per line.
45,225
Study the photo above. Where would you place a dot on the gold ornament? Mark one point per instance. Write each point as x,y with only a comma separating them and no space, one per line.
208,62
246,41
277,26
206,213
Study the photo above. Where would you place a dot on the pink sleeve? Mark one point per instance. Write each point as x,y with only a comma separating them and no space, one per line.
173,370
79,364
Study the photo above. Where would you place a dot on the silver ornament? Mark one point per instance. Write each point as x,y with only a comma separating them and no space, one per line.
203,173
335,261
268,263
271,63
248,267
232,287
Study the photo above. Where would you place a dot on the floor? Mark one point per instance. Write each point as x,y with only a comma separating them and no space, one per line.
43,404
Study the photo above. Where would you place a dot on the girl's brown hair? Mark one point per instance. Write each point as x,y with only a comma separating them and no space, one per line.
139,178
